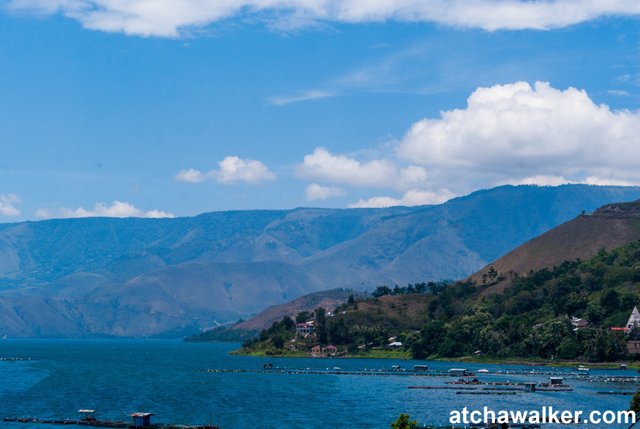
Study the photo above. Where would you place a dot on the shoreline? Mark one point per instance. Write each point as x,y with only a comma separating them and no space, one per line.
405,355
373,354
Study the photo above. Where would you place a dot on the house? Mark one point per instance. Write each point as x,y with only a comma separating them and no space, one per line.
634,319
578,323
633,347
141,420
305,328
317,350
87,415
395,344
329,350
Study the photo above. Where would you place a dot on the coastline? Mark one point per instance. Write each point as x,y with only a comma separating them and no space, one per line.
371,354
405,355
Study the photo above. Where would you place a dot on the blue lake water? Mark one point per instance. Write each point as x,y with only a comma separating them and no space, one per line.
166,377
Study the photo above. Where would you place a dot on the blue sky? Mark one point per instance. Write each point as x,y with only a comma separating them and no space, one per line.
119,112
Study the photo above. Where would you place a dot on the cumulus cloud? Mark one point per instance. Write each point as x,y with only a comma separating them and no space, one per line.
230,170
233,169
315,192
190,175
413,197
8,204
171,18
116,209
324,166
518,133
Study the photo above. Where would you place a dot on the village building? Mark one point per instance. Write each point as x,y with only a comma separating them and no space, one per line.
634,320
578,323
633,347
305,328
141,420
330,350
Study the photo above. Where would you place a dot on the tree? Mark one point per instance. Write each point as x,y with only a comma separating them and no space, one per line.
381,291
635,403
278,342
403,422
303,316
321,325
610,301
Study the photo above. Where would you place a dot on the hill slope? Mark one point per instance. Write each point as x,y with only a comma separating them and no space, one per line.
565,312
607,228
140,277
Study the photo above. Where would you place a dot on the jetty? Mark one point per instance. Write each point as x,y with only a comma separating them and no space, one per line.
139,420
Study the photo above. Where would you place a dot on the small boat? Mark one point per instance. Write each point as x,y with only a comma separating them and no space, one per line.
583,369
483,371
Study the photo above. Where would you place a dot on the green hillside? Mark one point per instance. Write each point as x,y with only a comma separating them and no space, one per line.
531,318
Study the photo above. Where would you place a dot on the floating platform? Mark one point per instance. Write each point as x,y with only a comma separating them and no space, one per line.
103,423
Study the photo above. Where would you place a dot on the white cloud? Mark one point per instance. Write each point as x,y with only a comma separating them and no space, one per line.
170,18
116,209
283,100
619,93
233,169
8,204
315,192
517,133
190,176
324,166
413,197
592,180
230,170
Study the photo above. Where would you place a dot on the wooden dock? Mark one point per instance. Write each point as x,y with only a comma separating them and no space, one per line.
102,423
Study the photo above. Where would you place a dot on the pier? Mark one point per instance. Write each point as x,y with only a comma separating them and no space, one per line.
138,421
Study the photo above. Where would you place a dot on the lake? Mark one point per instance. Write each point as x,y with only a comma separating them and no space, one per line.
168,378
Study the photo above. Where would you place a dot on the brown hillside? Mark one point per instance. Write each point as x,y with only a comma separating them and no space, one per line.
609,227
326,299
391,311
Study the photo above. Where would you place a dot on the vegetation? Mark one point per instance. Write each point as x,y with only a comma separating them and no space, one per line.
635,403
222,333
404,422
531,319
363,327
433,287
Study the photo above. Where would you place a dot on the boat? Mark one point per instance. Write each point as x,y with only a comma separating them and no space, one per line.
583,369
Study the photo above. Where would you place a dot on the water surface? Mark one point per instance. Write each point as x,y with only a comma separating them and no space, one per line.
167,377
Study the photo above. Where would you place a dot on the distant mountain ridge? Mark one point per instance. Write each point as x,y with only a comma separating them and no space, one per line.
144,277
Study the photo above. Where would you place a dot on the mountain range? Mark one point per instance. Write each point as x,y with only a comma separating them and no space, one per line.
146,277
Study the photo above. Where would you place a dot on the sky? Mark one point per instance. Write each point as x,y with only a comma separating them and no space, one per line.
161,108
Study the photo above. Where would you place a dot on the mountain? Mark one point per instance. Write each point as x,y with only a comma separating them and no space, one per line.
145,277
607,228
